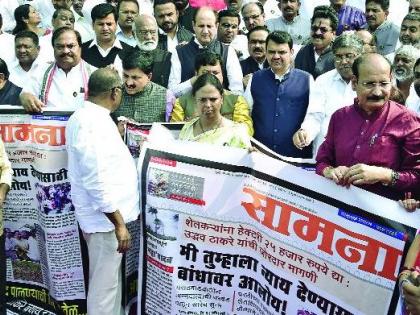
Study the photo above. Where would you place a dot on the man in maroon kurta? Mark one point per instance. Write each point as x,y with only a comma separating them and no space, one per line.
374,143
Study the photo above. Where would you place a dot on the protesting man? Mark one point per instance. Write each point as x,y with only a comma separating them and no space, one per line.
127,11
279,98
104,187
317,57
27,61
173,34
63,85
183,59
374,143
143,101
331,91
402,68
146,31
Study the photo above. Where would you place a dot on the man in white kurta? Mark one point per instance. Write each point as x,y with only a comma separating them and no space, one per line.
331,91
63,84
104,187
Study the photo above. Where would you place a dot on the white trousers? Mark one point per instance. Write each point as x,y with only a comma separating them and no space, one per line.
105,282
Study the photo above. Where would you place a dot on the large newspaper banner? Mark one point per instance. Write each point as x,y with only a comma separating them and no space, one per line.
43,245
232,232
46,255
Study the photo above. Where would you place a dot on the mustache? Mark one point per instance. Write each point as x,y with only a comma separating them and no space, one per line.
318,36
375,98
257,50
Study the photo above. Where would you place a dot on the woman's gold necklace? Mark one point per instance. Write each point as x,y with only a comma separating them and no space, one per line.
219,123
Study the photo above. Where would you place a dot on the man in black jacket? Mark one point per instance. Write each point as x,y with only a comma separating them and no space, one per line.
167,15
317,57
105,48
146,31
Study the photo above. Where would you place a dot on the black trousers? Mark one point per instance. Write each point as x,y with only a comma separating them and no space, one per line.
2,276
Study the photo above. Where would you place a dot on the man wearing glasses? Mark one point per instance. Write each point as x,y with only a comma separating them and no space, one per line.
331,91
317,57
63,85
146,32
253,14
374,143
99,165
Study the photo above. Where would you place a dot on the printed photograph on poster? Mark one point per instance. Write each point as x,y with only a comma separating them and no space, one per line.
54,199
161,223
22,248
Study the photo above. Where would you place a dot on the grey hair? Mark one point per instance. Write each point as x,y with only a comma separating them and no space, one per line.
409,51
348,40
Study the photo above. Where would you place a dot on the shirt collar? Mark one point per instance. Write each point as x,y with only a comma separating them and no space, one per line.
116,43
201,46
77,16
372,116
280,77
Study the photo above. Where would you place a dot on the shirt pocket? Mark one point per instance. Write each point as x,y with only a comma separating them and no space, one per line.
385,151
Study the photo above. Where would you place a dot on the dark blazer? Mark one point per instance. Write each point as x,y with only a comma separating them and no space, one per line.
305,60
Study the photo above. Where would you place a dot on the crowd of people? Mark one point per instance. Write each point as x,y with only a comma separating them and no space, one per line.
337,81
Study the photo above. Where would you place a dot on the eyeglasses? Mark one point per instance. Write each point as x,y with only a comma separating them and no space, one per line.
372,85
322,29
145,32
228,26
340,58
252,17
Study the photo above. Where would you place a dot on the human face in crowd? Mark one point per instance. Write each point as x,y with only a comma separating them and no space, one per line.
135,80
26,50
368,41
105,29
216,70
146,34
62,4
33,17
373,87
322,33
126,14
337,4
228,29
205,27
252,16
256,45
417,80
167,17
414,6
64,18
209,101
279,57
402,68
235,4
67,51
375,15
289,8
78,6
344,58
410,32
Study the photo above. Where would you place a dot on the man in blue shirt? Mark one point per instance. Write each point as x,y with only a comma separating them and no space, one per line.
279,97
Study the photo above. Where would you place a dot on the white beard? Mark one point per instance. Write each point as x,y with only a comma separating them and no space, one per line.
407,75
147,46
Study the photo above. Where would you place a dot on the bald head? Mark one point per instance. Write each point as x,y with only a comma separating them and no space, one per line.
103,80
369,42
